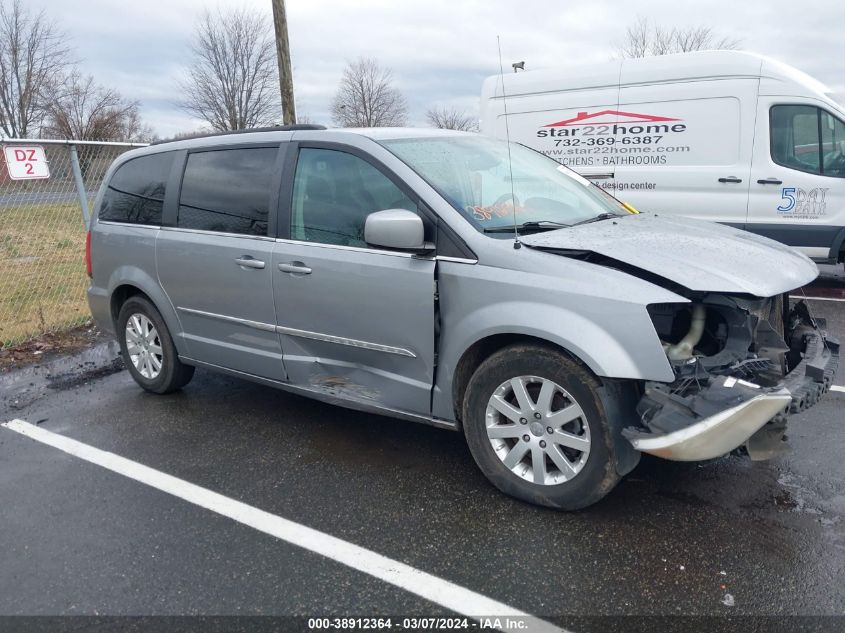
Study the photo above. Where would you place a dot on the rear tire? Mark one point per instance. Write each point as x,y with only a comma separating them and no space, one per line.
147,348
536,427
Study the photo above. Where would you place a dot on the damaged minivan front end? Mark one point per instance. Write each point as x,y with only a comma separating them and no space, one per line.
743,358
742,365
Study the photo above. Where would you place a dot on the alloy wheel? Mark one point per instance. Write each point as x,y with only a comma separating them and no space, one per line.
144,346
538,430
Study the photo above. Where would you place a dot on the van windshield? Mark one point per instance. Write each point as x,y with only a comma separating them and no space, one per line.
473,173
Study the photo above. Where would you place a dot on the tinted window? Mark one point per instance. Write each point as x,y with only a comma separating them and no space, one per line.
227,190
808,139
135,194
334,192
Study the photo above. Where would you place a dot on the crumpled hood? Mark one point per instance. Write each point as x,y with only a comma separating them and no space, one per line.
700,256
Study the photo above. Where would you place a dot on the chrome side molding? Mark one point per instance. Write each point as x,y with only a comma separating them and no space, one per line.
258,325
342,340
317,336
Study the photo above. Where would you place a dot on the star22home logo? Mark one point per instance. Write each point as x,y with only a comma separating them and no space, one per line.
612,126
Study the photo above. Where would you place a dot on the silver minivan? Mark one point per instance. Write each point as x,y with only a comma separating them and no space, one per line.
455,280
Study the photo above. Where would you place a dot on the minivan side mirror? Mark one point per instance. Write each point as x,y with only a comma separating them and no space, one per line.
396,228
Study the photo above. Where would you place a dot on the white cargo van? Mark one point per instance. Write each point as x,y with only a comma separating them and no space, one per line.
727,136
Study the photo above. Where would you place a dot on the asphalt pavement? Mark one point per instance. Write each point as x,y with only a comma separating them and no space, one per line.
729,537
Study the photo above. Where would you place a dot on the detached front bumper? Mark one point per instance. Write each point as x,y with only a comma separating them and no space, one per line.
729,413
717,434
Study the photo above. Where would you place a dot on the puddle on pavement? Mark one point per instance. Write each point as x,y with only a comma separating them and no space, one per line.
796,498
20,387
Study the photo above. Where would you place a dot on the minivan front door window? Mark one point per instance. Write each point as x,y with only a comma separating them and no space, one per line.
334,192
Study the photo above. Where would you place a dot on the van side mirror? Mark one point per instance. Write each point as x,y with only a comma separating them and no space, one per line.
396,228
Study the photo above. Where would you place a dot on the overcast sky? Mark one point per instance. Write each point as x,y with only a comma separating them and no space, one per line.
439,50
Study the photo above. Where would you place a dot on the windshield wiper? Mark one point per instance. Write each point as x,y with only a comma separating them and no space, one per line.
542,225
598,218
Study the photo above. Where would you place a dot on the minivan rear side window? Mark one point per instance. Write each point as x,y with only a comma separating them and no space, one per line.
808,139
135,193
228,190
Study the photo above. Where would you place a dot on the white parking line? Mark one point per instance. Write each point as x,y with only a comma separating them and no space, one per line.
816,298
437,590
837,388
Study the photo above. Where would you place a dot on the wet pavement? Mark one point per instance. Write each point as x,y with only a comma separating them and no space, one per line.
725,538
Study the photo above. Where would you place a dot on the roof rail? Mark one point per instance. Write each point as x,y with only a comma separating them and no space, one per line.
273,128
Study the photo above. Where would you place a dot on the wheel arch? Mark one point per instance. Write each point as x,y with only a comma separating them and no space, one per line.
837,250
128,281
617,397
629,350
485,347
120,295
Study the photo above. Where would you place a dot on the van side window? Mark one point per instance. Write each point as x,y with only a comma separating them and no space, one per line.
135,193
833,145
808,139
334,192
227,190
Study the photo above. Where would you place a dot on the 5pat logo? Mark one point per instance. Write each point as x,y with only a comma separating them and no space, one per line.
801,202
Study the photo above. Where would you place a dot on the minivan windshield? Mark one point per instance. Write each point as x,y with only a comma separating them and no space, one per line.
474,174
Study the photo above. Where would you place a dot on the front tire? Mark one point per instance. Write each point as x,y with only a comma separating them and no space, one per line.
147,348
536,427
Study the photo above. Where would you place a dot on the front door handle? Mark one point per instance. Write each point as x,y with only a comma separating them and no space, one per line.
769,181
297,268
730,179
247,261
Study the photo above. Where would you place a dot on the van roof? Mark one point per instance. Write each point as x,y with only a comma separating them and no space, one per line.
778,78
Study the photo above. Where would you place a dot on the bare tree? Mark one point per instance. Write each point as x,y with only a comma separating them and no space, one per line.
637,39
32,54
451,119
134,128
79,108
181,136
232,83
703,38
366,97
303,118
644,38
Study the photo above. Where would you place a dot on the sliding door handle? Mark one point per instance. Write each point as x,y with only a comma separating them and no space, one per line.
296,268
247,261
733,179
769,181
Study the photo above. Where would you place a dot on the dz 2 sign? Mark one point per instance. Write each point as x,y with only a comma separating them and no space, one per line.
26,162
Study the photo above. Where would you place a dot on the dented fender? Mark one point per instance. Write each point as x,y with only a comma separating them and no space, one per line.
598,315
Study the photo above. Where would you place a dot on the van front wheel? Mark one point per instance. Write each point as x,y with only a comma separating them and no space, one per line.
536,427
147,348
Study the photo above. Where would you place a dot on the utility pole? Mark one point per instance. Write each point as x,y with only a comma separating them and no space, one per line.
280,22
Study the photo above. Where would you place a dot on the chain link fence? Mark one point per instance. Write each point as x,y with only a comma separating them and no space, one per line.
42,232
